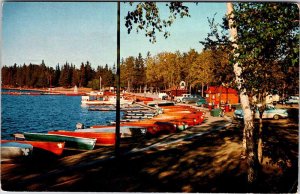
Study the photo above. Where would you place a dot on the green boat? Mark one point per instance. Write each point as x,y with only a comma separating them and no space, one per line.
70,141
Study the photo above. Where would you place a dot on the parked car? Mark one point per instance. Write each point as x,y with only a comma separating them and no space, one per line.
201,101
270,113
179,98
190,99
289,100
162,95
292,100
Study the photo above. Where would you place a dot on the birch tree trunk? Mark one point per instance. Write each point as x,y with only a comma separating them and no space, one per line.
248,138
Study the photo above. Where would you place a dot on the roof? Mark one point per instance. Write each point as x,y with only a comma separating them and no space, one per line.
220,89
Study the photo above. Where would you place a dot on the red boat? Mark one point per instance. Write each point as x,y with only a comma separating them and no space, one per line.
153,127
102,138
53,147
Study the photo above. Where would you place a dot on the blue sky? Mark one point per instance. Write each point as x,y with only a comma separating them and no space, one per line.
86,31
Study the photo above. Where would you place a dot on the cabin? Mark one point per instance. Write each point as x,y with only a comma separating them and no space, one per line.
177,91
221,95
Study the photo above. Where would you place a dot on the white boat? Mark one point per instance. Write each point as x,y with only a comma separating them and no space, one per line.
15,150
107,100
125,131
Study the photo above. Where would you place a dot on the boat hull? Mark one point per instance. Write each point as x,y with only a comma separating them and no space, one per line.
154,127
104,139
53,147
14,150
70,142
125,131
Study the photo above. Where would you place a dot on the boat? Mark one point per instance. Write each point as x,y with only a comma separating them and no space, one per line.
125,131
53,147
104,139
161,103
15,150
104,100
164,117
153,127
70,141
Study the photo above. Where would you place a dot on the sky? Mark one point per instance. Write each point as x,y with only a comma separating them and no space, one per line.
60,32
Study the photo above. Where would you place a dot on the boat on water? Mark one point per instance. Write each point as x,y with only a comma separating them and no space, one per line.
70,141
104,100
15,150
125,131
103,139
53,147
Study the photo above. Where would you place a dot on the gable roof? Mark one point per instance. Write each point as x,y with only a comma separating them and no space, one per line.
220,89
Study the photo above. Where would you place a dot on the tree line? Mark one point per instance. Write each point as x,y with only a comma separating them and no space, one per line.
67,75
159,72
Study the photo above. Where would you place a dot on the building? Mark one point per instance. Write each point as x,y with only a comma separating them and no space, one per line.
221,95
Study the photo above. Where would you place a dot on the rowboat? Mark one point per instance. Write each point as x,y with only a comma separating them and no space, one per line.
161,103
105,139
125,131
165,117
70,142
15,150
53,147
153,127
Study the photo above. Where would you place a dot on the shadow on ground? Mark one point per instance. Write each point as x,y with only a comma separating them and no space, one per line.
207,163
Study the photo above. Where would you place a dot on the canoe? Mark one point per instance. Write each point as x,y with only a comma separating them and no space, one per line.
125,131
70,142
15,150
103,138
53,147
165,117
161,103
154,127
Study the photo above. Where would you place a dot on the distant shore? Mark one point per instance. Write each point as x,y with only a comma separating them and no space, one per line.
55,89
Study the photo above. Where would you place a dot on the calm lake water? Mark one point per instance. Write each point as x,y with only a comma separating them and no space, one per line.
43,113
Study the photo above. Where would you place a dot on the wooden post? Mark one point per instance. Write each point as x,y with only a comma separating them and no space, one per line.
117,146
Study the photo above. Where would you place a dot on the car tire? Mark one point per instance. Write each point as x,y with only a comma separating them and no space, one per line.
276,117
178,100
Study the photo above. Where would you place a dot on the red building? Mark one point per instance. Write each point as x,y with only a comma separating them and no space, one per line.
176,91
216,95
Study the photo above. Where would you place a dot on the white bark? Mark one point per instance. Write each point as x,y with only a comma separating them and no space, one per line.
238,70
248,141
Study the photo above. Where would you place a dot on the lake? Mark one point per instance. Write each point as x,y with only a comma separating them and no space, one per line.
25,113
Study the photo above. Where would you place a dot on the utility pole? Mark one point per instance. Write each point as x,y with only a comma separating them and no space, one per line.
100,79
117,145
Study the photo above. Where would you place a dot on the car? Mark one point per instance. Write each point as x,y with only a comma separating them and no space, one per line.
292,100
201,101
270,112
179,98
289,100
162,95
190,99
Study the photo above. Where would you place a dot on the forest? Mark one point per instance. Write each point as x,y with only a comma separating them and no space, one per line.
162,71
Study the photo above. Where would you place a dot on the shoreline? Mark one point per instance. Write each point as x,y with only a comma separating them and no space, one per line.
60,90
